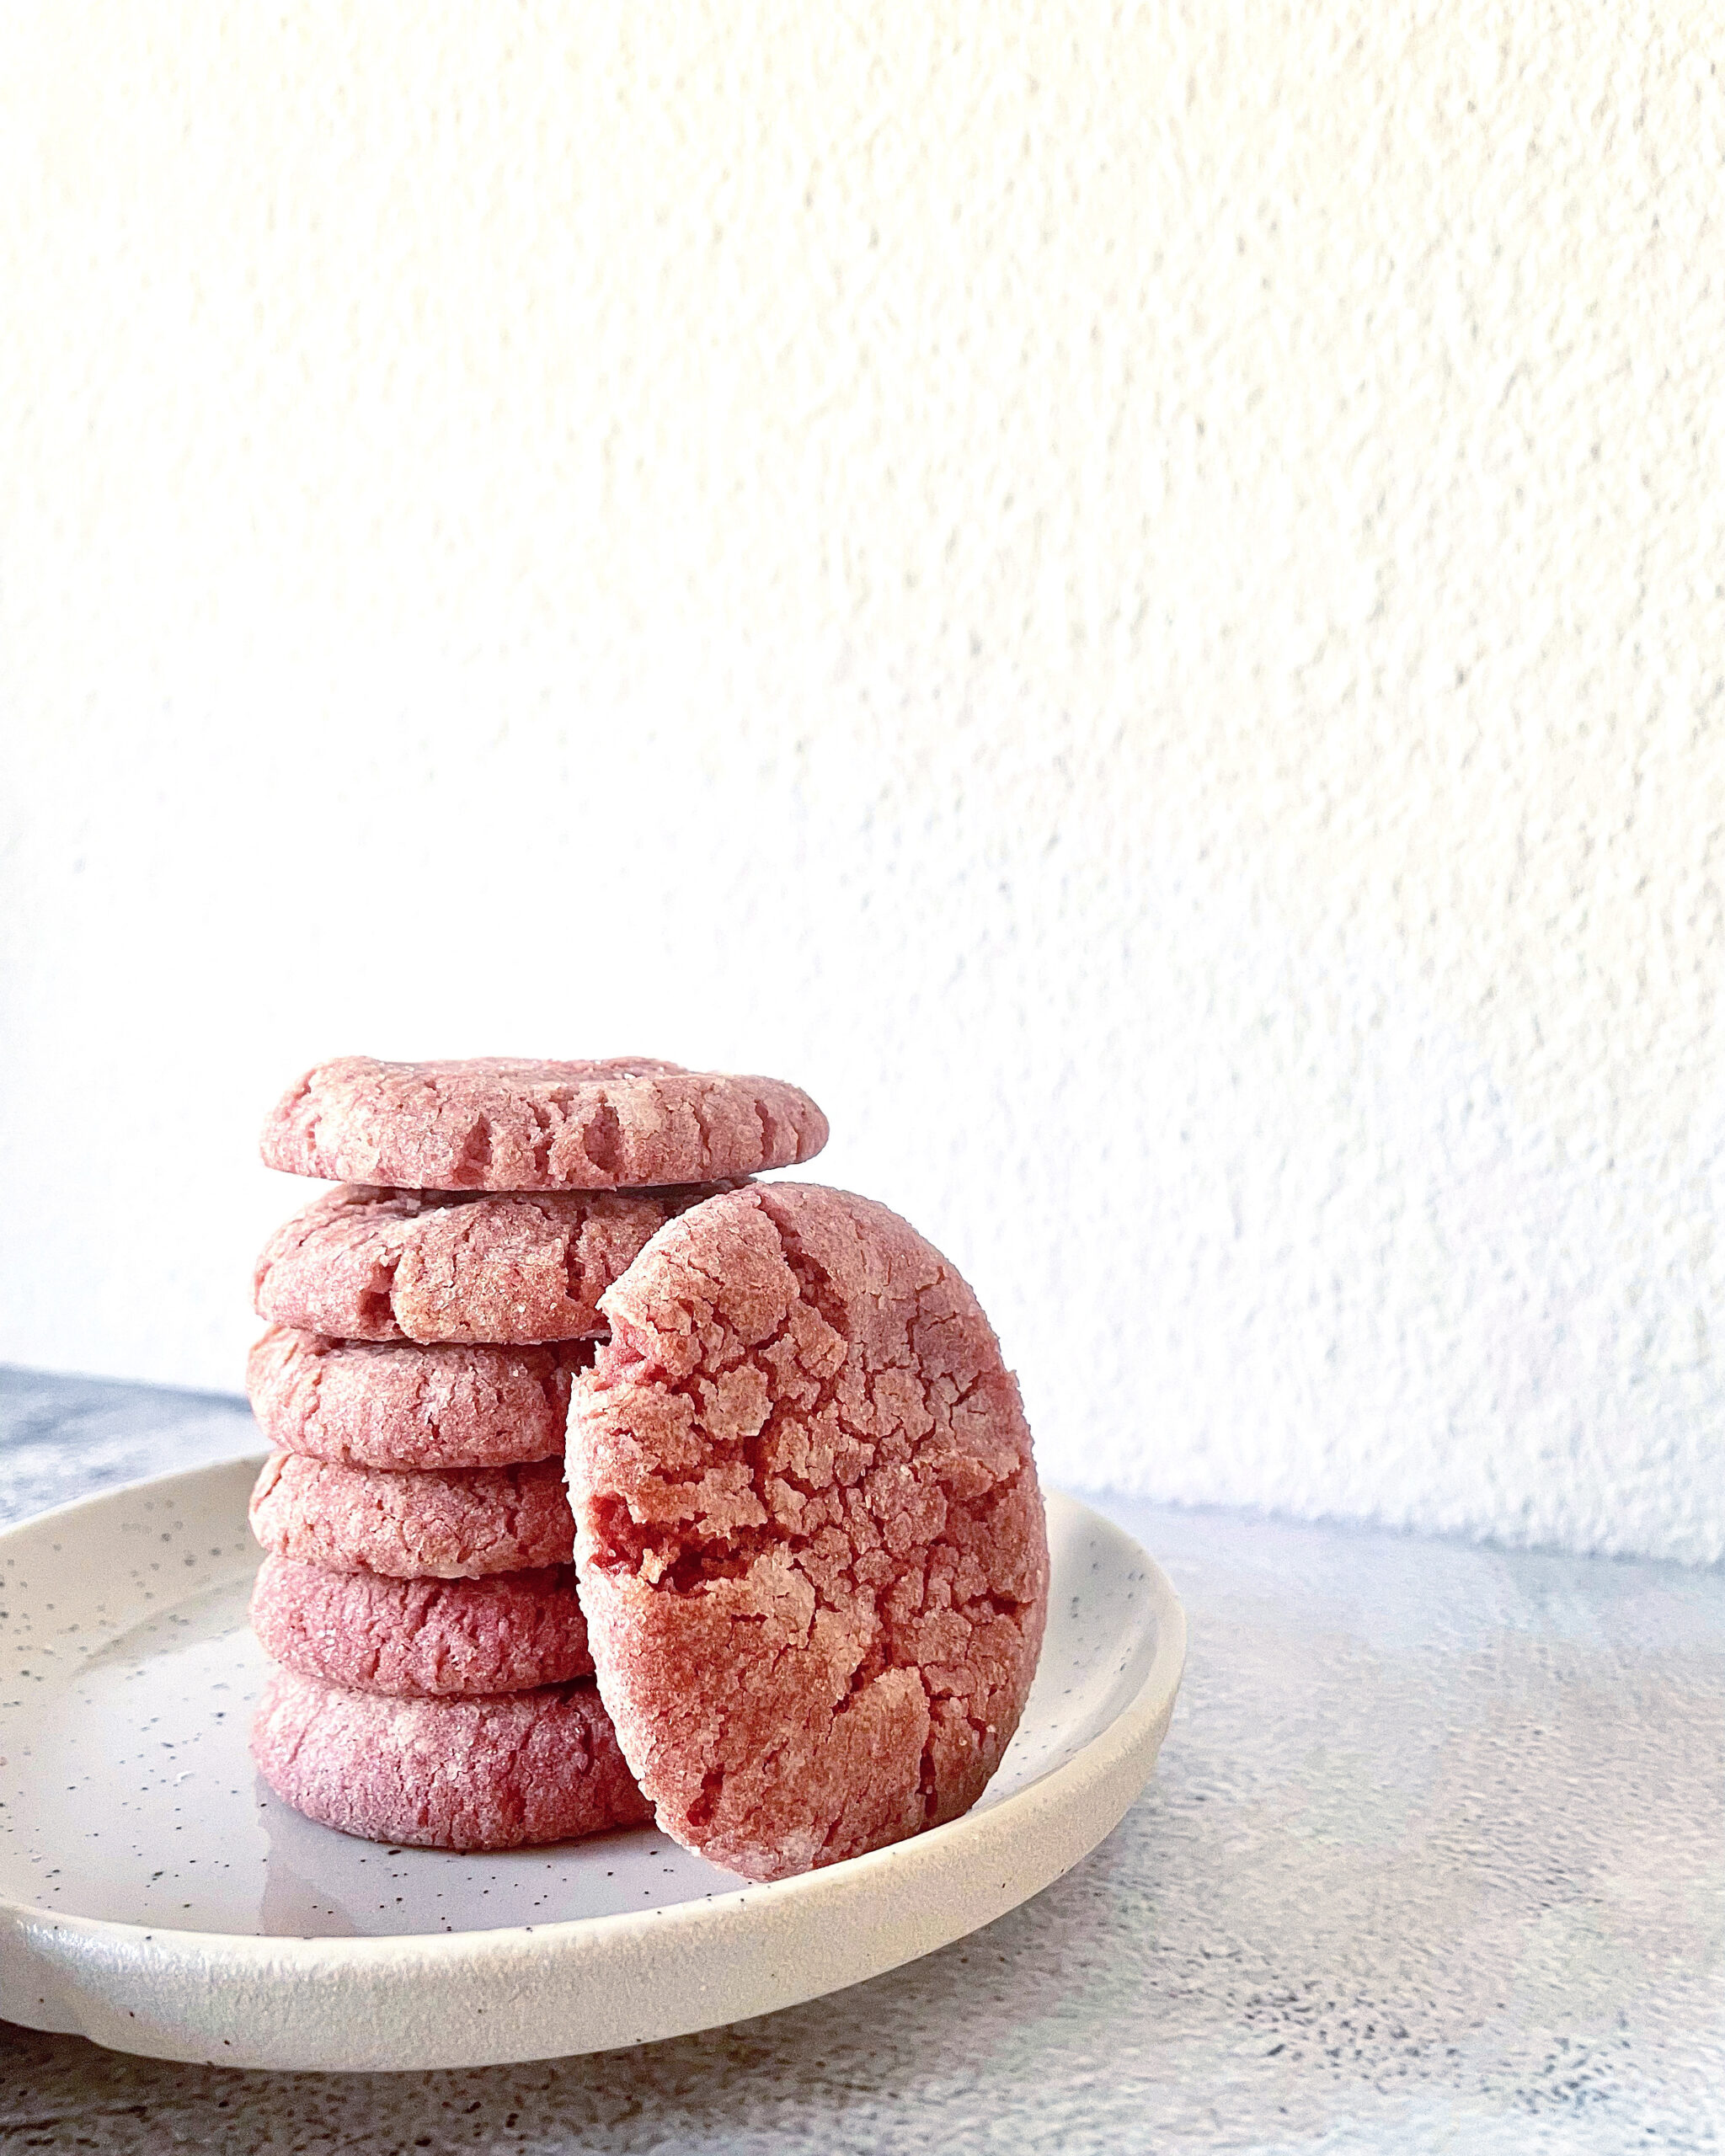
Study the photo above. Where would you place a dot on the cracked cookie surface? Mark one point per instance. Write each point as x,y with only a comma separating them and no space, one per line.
422,1639
809,1533
367,1403
450,1525
502,1773
516,1123
365,1263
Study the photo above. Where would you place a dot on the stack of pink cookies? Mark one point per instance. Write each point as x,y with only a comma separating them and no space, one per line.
427,1319
551,1316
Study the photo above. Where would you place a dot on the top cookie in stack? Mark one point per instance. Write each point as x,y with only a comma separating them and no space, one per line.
426,1322
504,1123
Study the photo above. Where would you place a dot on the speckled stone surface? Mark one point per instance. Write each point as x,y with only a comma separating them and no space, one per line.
1434,1860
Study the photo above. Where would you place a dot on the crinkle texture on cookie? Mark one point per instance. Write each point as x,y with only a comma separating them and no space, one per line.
360,1263
382,1405
513,1123
448,1524
504,1773
422,1639
809,1533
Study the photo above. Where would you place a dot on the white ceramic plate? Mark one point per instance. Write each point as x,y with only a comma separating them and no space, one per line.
156,1897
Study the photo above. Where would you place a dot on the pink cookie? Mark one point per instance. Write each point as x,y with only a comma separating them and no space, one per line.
452,1524
502,1773
422,1639
365,1264
808,1531
370,1406
514,1123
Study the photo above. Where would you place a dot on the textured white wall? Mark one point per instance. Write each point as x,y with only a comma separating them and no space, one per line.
1132,596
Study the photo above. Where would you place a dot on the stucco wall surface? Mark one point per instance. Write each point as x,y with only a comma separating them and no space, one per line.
1132,596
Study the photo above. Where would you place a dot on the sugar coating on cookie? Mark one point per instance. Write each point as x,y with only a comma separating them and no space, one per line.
369,1404
422,1639
514,1123
502,1773
809,1533
361,1263
449,1524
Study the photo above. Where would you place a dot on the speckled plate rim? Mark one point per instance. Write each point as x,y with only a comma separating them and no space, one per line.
472,1998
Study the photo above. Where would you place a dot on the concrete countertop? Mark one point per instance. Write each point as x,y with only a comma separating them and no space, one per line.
1435,1860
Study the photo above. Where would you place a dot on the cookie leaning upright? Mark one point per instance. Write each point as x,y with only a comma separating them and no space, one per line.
808,1536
